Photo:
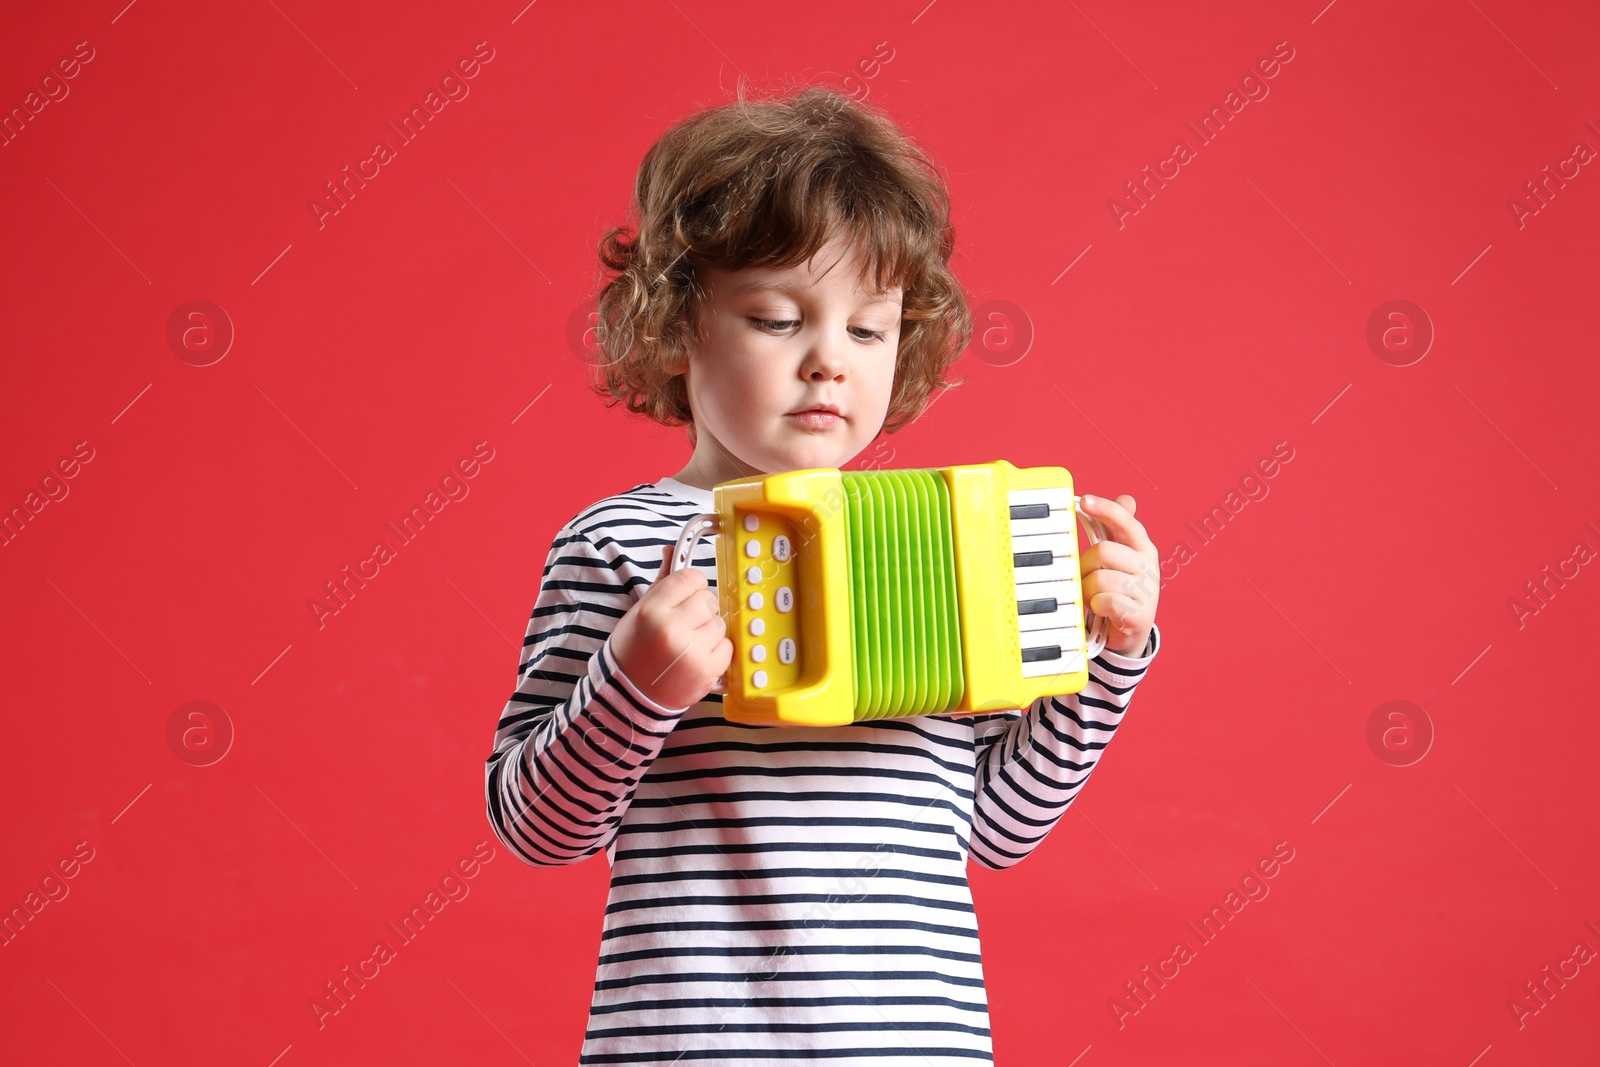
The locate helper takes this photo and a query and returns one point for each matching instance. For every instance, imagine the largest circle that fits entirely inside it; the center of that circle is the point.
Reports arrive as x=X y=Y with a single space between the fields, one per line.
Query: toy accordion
x=853 y=595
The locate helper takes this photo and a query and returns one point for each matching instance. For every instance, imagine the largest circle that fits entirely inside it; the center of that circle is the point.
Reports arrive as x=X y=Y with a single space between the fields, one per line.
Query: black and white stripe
x=777 y=893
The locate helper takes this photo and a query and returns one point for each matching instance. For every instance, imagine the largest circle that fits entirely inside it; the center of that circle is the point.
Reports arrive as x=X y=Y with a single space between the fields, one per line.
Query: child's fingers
x=1117 y=608
x=1119 y=520
x=711 y=631
x=672 y=589
x=1133 y=590
x=713 y=609
x=1113 y=555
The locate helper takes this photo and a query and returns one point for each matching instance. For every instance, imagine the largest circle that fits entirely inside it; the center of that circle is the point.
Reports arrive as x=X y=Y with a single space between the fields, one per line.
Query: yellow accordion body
x=853 y=595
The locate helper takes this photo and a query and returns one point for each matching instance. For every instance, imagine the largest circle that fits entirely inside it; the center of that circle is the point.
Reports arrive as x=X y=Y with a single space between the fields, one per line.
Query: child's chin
x=814 y=458
x=796 y=451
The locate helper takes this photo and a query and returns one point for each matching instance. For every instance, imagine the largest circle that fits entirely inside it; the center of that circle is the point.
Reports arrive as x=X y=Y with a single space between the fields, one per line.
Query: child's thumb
x=666 y=560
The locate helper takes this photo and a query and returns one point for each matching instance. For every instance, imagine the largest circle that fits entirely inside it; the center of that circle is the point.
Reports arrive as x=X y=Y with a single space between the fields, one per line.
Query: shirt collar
x=702 y=497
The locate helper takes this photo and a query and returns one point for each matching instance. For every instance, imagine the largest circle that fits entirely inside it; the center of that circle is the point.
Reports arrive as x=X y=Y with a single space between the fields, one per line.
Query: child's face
x=767 y=354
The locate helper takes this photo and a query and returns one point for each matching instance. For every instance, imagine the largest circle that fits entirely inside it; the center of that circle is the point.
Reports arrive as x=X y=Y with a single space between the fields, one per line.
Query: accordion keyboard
x=1047 y=588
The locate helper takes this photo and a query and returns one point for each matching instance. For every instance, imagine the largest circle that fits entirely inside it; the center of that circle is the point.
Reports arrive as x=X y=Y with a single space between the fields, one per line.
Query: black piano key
x=1032 y=559
x=1034 y=655
x=1037 y=607
x=1030 y=511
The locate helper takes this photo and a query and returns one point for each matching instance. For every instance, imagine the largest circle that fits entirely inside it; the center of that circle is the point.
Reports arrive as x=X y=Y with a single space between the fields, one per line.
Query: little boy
x=779 y=892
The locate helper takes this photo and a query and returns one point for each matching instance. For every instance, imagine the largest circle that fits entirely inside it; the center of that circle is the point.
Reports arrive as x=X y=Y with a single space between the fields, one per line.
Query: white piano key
x=1056 y=498
x=1068 y=611
x=1069 y=663
x=1057 y=522
x=1064 y=592
x=1064 y=559
x=1059 y=519
x=1055 y=544
x=1066 y=637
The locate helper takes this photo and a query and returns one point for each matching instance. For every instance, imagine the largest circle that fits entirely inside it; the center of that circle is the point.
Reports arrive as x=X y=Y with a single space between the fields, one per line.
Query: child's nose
x=823 y=362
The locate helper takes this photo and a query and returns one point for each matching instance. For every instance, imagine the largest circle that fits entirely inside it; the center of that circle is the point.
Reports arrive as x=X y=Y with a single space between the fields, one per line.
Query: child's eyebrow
x=790 y=290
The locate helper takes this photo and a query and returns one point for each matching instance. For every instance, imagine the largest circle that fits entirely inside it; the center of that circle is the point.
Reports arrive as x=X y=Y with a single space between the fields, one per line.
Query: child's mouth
x=816 y=420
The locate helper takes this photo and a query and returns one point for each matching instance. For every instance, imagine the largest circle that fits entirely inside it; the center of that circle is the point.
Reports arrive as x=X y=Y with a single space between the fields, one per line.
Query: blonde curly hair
x=767 y=184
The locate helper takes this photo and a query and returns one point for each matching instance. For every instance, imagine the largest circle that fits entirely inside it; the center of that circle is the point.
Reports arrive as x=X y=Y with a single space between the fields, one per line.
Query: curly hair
x=767 y=184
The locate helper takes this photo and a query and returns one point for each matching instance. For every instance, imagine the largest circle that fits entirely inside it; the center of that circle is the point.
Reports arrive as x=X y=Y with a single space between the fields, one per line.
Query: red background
x=374 y=351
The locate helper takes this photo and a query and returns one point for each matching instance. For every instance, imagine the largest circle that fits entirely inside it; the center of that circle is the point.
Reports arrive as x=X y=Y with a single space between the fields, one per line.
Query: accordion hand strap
x=1095 y=625
x=698 y=526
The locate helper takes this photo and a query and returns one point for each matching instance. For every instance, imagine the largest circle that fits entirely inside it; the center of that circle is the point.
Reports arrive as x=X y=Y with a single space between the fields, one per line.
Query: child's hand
x=673 y=642
x=1121 y=575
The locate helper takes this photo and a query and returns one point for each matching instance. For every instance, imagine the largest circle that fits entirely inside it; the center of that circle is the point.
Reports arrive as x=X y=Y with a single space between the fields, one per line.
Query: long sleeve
x=1030 y=767
x=577 y=734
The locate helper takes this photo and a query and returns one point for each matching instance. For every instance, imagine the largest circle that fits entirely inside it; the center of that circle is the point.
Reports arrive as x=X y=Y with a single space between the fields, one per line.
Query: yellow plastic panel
x=819 y=690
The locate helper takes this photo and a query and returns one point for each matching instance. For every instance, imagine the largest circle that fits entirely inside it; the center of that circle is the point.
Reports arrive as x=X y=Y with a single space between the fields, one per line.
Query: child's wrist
x=1133 y=650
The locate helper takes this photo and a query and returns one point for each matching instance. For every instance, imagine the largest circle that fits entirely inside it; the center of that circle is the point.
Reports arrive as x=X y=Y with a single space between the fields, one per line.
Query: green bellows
x=903 y=601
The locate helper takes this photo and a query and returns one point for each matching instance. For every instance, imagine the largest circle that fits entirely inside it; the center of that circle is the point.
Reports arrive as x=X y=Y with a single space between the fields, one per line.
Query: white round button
x=759 y=679
x=784 y=599
x=758 y=627
x=786 y=651
x=780 y=548
x=752 y=548
x=750 y=521
x=753 y=575
x=758 y=653
x=756 y=600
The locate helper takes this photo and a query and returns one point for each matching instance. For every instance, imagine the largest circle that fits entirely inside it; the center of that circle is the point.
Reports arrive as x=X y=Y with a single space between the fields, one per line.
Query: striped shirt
x=777 y=893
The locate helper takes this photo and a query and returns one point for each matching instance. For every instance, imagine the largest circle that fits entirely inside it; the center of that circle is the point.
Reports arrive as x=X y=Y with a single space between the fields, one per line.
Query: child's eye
x=781 y=325
x=770 y=323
